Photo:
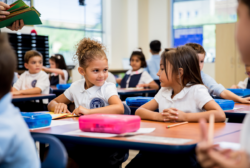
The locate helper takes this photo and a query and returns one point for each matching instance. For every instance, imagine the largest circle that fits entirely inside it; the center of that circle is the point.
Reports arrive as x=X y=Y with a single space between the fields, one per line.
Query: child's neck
x=88 y=85
x=176 y=89
x=135 y=69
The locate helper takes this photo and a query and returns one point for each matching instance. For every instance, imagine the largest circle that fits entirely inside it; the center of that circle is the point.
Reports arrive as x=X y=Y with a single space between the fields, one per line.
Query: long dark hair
x=140 y=56
x=183 y=57
x=59 y=60
x=247 y=3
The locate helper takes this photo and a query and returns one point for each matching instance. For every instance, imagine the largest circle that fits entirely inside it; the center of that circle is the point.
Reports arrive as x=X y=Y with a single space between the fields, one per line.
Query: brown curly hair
x=197 y=48
x=88 y=50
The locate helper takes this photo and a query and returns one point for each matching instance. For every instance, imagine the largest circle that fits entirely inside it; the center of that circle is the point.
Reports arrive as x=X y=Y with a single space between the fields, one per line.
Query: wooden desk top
x=32 y=97
x=186 y=131
x=233 y=137
x=240 y=108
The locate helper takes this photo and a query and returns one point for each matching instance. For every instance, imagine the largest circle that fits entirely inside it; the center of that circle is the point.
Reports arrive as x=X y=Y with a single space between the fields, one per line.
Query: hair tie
x=137 y=50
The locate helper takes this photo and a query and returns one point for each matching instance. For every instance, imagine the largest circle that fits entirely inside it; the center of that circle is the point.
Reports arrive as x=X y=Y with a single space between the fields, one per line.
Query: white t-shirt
x=29 y=81
x=111 y=78
x=94 y=97
x=189 y=100
x=145 y=77
x=243 y=84
x=61 y=80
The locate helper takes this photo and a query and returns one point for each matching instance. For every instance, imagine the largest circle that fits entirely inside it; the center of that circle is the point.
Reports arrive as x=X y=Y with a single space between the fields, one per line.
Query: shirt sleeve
x=243 y=84
x=43 y=82
x=68 y=93
x=145 y=78
x=213 y=87
x=61 y=80
x=201 y=95
x=158 y=96
x=18 y=84
x=109 y=90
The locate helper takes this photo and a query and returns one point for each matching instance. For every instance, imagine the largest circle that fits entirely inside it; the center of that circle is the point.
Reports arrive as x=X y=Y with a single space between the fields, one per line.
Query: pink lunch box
x=109 y=123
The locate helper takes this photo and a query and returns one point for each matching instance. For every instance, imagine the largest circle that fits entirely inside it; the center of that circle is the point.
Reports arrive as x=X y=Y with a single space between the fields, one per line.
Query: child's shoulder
x=78 y=83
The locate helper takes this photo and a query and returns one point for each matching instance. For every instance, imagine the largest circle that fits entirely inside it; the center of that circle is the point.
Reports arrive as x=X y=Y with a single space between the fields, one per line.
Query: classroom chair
x=57 y=156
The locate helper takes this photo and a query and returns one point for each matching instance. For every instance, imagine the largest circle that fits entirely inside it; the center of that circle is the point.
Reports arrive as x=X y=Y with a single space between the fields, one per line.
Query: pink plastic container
x=109 y=123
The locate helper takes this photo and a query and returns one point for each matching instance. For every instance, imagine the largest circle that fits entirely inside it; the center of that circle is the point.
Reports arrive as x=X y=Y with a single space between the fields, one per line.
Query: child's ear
x=81 y=71
x=180 y=72
x=26 y=65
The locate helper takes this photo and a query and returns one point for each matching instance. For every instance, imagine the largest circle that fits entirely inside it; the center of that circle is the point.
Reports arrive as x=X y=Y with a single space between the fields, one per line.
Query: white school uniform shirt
x=111 y=78
x=94 y=97
x=189 y=99
x=29 y=81
x=61 y=80
x=145 y=77
x=243 y=84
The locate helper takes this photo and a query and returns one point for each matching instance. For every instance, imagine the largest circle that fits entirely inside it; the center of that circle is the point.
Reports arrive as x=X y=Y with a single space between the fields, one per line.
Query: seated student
x=137 y=77
x=17 y=148
x=246 y=83
x=111 y=78
x=154 y=62
x=58 y=70
x=213 y=87
x=91 y=95
x=207 y=155
x=33 y=81
x=182 y=97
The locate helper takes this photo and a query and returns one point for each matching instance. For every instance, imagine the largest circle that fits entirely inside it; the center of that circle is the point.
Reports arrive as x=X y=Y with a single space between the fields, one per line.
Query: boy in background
x=154 y=62
x=33 y=81
x=17 y=149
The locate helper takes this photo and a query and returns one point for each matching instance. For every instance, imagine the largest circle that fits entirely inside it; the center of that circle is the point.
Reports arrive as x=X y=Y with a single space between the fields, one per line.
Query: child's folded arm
x=35 y=90
x=146 y=111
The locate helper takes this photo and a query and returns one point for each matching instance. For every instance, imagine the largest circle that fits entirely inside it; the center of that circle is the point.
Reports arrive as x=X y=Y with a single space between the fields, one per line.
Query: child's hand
x=45 y=68
x=61 y=108
x=172 y=114
x=234 y=87
x=81 y=111
x=142 y=85
x=245 y=100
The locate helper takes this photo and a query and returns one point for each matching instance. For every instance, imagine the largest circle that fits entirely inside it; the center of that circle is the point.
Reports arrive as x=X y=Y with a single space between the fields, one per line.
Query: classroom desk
x=188 y=131
x=233 y=137
x=238 y=115
x=19 y=98
x=122 y=91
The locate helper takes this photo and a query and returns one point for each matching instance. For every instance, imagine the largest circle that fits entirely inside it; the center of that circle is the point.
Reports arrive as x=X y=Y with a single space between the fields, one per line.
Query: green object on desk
x=19 y=10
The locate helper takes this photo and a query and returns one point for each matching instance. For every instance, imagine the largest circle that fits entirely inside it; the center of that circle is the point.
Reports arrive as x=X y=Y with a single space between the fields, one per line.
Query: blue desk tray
x=137 y=101
x=240 y=92
x=225 y=104
x=37 y=120
x=63 y=86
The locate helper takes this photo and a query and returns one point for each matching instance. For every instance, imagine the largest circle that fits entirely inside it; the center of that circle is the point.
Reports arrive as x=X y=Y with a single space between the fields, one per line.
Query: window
x=66 y=22
x=194 y=21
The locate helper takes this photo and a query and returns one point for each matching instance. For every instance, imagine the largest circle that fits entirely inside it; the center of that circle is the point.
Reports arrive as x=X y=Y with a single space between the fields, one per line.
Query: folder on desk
x=57 y=116
x=19 y=10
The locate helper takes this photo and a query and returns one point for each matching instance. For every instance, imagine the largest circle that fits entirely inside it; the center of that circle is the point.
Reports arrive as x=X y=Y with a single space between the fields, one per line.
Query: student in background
x=246 y=83
x=58 y=70
x=154 y=62
x=182 y=97
x=213 y=87
x=111 y=78
x=33 y=81
x=92 y=95
x=17 y=148
x=207 y=155
x=137 y=77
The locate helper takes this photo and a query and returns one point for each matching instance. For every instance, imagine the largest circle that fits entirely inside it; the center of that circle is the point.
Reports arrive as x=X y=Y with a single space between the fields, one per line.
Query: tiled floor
x=132 y=154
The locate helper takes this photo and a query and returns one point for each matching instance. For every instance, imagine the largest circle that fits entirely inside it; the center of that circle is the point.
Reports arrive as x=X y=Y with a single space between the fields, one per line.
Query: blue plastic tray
x=240 y=92
x=137 y=101
x=63 y=86
x=225 y=104
x=37 y=120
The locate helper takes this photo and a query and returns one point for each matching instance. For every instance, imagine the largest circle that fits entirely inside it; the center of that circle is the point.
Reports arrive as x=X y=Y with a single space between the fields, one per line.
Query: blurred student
x=182 y=97
x=91 y=95
x=154 y=62
x=246 y=83
x=58 y=70
x=17 y=25
x=33 y=81
x=214 y=88
x=17 y=148
x=137 y=77
x=207 y=154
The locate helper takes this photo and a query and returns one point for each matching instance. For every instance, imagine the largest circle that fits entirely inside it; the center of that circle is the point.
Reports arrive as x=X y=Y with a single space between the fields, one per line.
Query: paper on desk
x=229 y=145
x=56 y=123
x=177 y=141
x=106 y=135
